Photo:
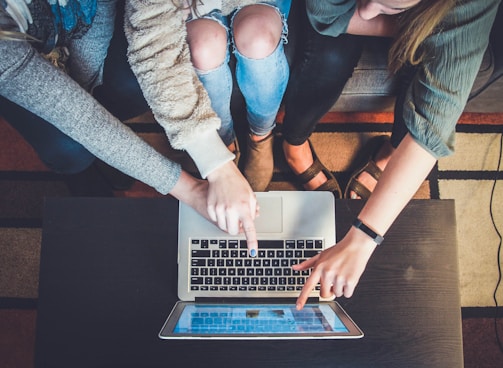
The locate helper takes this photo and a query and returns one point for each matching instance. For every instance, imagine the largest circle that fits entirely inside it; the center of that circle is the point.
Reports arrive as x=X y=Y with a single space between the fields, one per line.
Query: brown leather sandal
x=331 y=185
x=366 y=164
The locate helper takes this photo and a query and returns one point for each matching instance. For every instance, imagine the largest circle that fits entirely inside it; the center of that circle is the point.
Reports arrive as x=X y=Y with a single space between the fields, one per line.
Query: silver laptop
x=226 y=294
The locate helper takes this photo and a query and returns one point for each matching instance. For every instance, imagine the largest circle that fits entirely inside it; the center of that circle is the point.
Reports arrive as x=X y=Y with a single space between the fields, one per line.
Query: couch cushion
x=371 y=88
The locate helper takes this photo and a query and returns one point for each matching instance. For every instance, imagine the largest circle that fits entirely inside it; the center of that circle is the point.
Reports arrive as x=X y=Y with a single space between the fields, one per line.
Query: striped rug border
x=466 y=312
x=386 y=117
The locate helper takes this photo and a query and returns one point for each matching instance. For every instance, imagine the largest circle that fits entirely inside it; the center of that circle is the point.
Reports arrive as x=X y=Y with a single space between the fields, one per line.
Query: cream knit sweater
x=159 y=56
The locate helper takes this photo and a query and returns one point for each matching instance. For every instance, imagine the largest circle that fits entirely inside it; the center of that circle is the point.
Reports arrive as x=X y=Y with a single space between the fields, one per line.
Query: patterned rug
x=471 y=177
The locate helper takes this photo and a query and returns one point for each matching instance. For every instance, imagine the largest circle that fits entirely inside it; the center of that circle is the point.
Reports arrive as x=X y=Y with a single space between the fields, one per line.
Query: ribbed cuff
x=208 y=152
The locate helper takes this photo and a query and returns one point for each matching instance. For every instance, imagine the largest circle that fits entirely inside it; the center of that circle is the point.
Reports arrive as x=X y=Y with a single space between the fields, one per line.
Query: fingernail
x=353 y=195
x=253 y=252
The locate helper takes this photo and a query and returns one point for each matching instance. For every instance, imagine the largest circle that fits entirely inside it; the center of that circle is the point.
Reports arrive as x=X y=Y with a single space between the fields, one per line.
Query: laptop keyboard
x=224 y=265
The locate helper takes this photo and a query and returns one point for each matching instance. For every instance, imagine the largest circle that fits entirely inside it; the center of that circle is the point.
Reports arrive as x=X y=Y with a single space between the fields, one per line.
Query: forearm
x=407 y=169
x=338 y=269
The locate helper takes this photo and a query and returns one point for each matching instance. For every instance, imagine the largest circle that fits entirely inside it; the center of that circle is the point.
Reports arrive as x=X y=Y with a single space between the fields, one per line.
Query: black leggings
x=404 y=78
x=320 y=69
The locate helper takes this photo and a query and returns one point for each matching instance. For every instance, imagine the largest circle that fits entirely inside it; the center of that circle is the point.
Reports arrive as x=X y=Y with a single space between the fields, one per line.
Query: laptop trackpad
x=271 y=215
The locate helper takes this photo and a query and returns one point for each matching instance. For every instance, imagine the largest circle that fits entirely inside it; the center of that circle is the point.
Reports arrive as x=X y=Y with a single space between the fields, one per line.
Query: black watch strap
x=367 y=230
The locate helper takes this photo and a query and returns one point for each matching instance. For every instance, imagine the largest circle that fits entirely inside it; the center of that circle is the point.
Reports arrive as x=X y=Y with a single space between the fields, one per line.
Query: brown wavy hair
x=414 y=25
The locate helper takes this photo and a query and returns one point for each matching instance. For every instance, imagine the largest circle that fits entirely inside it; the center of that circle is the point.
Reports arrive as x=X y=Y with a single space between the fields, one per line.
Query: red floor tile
x=15 y=153
x=17 y=338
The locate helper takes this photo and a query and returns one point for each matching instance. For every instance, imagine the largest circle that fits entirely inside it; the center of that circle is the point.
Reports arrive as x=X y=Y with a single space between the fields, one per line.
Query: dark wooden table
x=108 y=279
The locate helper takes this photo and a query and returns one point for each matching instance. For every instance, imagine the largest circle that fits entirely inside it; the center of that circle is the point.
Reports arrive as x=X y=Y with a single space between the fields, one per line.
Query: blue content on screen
x=258 y=319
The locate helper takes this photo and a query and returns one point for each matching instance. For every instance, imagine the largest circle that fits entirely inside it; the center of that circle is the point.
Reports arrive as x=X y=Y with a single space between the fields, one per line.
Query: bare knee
x=207 y=42
x=257 y=31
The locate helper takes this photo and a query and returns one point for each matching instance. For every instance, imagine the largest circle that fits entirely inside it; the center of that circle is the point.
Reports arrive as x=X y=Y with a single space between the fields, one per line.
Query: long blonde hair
x=414 y=25
x=14 y=35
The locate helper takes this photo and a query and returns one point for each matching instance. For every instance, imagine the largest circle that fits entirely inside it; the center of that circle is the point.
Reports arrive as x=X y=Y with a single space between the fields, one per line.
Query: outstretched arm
x=435 y=101
x=338 y=269
x=160 y=58
x=31 y=82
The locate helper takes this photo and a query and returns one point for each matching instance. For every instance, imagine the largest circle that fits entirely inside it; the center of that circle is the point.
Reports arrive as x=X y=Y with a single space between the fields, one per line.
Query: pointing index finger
x=251 y=236
x=306 y=290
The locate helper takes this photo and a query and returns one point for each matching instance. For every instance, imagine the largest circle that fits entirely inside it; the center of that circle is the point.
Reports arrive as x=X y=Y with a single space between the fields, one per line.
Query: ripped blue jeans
x=261 y=81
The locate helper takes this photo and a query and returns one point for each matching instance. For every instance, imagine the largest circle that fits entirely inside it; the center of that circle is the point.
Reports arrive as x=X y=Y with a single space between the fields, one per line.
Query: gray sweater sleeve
x=31 y=82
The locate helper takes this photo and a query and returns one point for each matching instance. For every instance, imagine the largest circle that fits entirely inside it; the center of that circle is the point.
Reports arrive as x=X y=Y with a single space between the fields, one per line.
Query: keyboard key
x=198 y=262
x=196 y=280
x=310 y=253
x=271 y=244
x=200 y=253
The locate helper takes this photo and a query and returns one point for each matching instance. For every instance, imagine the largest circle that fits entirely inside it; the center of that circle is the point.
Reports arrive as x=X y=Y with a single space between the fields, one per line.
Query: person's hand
x=338 y=268
x=193 y=192
x=232 y=204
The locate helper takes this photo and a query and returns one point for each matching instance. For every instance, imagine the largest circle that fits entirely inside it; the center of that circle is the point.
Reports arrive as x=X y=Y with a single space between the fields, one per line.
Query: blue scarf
x=53 y=22
x=69 y=13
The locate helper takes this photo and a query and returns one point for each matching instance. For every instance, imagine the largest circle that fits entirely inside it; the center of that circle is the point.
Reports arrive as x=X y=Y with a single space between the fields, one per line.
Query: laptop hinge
x=253 y=300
